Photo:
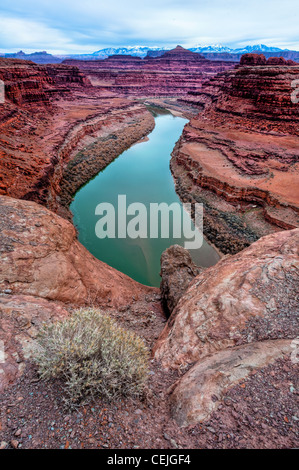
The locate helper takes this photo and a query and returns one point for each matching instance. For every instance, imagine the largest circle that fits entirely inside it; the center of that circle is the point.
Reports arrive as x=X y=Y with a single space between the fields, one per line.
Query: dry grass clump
x=93 y=356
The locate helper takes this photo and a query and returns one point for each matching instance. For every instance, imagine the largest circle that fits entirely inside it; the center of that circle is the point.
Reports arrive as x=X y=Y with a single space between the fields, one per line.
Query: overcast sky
x=84 y=26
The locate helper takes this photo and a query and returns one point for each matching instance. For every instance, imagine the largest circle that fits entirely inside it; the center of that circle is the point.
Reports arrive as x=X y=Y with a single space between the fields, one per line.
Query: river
x=141 y=173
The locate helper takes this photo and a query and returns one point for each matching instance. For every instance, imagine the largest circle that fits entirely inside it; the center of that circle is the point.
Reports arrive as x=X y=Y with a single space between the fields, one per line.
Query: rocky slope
x=234 y=319
x=239 y=156
x=28 y=84
x=172 y=74
x=43 y=266
x=50 y=113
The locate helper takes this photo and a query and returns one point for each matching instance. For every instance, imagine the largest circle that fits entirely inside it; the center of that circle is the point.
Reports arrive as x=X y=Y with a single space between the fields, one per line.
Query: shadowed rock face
x=251 y=296
x=177 y=271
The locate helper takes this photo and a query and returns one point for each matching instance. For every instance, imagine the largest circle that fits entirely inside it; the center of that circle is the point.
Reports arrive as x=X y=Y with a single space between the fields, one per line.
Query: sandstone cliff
x=239 y=156
x=50 y=113
x=174 y=73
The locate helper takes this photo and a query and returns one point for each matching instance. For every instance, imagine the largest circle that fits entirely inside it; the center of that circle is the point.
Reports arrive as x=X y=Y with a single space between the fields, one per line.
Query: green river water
x=141 y=173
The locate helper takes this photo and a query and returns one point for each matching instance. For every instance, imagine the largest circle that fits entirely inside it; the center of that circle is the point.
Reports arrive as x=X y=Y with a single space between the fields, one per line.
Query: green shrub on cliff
x=93 y=356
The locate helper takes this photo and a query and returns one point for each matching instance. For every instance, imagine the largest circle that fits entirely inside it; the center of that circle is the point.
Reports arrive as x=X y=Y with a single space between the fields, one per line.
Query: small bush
x=93 y=356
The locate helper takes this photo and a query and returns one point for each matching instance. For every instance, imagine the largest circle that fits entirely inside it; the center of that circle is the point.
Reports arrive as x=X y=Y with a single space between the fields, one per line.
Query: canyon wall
x=172 y=74
x=50 y=113
x=44 y=274
x=239 y=156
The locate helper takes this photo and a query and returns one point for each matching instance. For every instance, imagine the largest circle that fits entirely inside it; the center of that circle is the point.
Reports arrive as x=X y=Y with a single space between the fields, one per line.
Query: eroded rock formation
x=50 y=114
x=251 y=296
x=203 y=387
x=232 y=324
x=174 y=73
x=239 y=156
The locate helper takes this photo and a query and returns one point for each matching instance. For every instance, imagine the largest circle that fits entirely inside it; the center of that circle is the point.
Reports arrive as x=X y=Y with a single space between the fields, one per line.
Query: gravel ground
x=262 y=412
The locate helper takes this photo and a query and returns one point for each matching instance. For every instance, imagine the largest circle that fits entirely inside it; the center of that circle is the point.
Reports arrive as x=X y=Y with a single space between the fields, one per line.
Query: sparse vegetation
x=93 y=356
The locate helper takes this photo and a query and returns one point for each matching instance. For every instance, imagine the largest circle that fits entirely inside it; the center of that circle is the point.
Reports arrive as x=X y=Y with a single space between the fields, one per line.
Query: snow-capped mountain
x=141 y=51
x=257 y=47
x=210 y=48
x=138 y=51
x=241 y=50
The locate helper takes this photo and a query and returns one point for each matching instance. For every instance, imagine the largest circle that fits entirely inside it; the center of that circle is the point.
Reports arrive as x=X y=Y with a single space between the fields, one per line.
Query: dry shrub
x=93 y=356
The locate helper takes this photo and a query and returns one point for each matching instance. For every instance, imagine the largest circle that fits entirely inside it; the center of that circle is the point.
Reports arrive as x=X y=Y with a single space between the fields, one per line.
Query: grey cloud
x=74 y=26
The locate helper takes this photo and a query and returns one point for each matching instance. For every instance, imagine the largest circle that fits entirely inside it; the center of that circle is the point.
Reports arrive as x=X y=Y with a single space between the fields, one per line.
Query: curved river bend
x=141 y=173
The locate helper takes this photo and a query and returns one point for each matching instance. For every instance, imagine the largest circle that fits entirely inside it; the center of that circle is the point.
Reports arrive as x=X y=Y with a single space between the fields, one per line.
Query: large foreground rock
x=41 y=256
x=201 y=389
x=248 y=297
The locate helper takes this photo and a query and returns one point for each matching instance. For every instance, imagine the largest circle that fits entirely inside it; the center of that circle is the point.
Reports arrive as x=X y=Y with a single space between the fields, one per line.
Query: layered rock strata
x=174 y=73
x=239 y=156
x=50 y=113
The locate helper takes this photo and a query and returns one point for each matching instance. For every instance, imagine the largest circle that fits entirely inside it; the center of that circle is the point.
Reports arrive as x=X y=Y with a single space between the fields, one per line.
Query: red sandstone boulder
x=248 y=297
x=180 y=53
x=253 y=59
x=200 y=391
x=276 y=61
x=41 y=256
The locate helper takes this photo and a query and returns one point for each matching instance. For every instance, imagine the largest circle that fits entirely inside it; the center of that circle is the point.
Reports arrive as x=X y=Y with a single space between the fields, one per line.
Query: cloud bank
x=73 y=26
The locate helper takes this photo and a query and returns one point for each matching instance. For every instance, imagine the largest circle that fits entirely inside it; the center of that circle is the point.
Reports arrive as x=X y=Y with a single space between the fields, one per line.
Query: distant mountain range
x=137 y=51
x=214 y=51
x=241 y=50
x=141 y=51
x=38 y=57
